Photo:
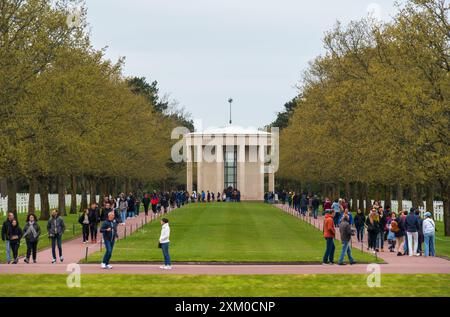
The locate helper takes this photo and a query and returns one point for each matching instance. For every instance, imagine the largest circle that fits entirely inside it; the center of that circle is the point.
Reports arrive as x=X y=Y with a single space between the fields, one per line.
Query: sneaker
x=109 y=267
x=26 y=260
x=168 y=267
x=162 y=267
x=417 y=254
x=61 y=258
x=399 y=254
x=103 y=266
x=342 y=263
x=353 y=263
x=34 y=261
x=325 y=263
x=53 y=261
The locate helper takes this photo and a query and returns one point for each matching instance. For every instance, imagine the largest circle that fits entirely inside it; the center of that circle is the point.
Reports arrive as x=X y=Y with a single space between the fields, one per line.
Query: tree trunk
x=347 y=191
x=361 y=196
x=11 y=185
x=367 y=198
x=400 y=197
x=73 y=194
x=388 y=196
x=84 y=202
x=445 y=190
x=61 y=184
x=32 y=191
x=43 y=192
x=377 y=192
x=92 y=191
x=353 y=197
x=430 y=198
x=414 y=196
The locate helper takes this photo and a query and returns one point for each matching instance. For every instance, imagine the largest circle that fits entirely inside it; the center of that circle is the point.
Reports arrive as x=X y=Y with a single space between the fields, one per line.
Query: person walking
x=109 y=231
x=400 y=232
x=146 y=203
x=329 y=233
x=84 y=222
x=315 y=203
x=15 y=235
x=94 y=217
x=55 y=229
x=336 y=206
x=123 y=208
x=360 y=220
x=372 y=223
x=154 y=201
x=164 y=240
x=429 y=234
x=412 y=232
x=32 y=232
x=6 y=229
x=346 y=233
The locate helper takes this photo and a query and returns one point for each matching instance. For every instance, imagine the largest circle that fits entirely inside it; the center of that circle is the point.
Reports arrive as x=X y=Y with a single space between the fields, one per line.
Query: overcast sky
x=202 y=52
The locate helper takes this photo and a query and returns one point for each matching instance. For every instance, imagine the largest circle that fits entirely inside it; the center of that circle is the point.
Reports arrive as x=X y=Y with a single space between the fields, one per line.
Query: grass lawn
x=227 y=232
x=442 y=242
x=71 y=222
x=226 y=286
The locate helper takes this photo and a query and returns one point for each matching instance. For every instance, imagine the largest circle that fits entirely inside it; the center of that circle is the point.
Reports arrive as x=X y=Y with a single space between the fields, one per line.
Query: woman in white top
x=164 y=243
x=429 y=229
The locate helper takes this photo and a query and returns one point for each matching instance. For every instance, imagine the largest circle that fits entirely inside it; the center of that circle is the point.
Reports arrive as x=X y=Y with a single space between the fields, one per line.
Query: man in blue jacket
x=109 y=231
x=412 y=231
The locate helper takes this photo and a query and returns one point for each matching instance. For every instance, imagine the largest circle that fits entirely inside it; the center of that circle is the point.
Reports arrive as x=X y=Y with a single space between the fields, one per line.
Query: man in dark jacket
x=109 y=231
x=55 y=229
x=94 y=220
x=315 y=206
x=360 y=220
x=346 y=235
x=412 y=232
x=6 y=229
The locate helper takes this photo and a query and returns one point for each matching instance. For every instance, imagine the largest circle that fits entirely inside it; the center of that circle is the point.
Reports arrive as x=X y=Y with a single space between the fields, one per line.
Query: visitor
x=429 y=231
x=346 y=233
x=329 y=233
x=400 y=233
x=381 y=229
x=326 y=206
x=32 y=232
x=154 y=202
x=420 y=233
x=131 y=206
x=94 y=220
x=208 y=196
x=109 y=231
x=336 y=206
x=122 y=204
x=164 y=243
x=360 y=220
x=315 y=206
x=412 y=231
x=146 y=203
x=373 y=228
x=137 y=207
x=203 y=196
x=392 y=228
x=84 y=222
x=55 y=229
x=303 y=205
x=6 y=229
x=15 y=234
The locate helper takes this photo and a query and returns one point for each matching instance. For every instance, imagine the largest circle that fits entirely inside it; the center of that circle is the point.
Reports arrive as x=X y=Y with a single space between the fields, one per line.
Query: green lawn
x=71 y=222
x=442 y=242
x=226 y=286
x=226 y=232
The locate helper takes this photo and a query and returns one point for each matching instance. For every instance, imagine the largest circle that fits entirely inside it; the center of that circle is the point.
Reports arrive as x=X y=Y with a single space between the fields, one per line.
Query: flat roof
x=230 y=130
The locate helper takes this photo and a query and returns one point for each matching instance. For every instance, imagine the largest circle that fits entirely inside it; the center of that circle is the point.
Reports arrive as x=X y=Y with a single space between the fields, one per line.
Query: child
x=392 y=229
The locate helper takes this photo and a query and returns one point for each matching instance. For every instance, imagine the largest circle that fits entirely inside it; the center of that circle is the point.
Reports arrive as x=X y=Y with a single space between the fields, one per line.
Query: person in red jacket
x=329 y=233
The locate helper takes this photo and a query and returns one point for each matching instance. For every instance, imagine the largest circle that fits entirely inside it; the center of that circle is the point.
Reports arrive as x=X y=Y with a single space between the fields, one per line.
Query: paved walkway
x=74 y=251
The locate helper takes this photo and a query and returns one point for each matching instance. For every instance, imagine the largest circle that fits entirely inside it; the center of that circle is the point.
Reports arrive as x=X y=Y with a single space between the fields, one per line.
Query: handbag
x=159 y=245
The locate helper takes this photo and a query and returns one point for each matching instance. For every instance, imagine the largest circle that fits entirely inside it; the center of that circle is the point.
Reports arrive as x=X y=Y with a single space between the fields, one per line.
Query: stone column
x=189 y=168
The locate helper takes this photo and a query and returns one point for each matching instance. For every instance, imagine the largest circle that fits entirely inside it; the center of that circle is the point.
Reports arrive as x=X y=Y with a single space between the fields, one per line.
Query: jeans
x=146 y=209
x=32 y=249
x=85 y=232
x=165 y=250
x=329 y=252
x=8 y=251
x=429 y=239
x=109 y=245
x=130 y=214
x=137 y=209
x=57 y=239
x=123 y=215
x=360 y=233
x=380 y=240
x=303 y=210
x=346 y=249
x=15 y=244
x=93 y=230
x=315 y=212
x=337 y=216
x=413 y=237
